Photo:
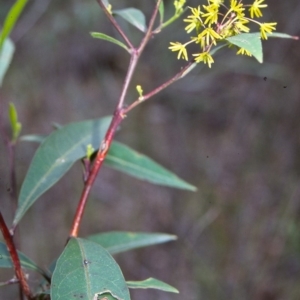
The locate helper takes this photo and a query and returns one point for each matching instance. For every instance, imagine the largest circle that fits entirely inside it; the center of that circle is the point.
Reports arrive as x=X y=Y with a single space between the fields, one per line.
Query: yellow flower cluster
x=215 y=22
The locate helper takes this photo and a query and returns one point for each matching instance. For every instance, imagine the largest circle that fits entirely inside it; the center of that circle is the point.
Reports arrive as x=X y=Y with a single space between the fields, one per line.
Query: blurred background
x=232 y=130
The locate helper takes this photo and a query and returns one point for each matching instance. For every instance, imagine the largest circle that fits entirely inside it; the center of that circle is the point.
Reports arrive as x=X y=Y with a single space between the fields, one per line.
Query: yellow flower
x=182 y=53
x=239 y=26
x=215 y=22
x=237 y=8
x=243 y=51
x=194 y=19
x=255 y=8
x=216 y=2
x=207 y=36
x=266 y=28
x=205 y=57
x=211 y=15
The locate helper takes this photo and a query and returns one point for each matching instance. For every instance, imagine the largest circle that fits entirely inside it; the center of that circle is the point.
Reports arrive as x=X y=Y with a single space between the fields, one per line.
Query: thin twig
x=150 y=27
x=158 y=89
x=115 y=24
x=15 y=258
x=132 y=65
x=93 y=174
x=11 y=147
x=11 y=158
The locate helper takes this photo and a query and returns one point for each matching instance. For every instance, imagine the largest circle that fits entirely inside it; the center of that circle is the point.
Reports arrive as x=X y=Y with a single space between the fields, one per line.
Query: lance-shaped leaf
x=33 y=138
x=132 y=164
x=152 y=283
x=161 y=10
x=63 y=147
x=282 y=35
x=27 y=263
x=102 y=36
x=133 y=16
x=11 y=19
x=6 y=55
x=122 y=158
x=86 y=271
x=121 y=241
x=54 y=158
x=249 y=41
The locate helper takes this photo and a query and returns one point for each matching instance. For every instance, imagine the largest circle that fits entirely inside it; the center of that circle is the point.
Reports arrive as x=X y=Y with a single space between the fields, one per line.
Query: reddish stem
x=115 y=24
x=11 y=159
x=117 y=118
x=15 y=258
x=158 y=89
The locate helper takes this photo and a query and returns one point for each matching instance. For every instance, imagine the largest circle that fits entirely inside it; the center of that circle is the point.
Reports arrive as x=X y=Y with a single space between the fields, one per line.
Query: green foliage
x=6 y=55
x=32 y=138
x=133 y=16
x=161 y=11
x=85 y=270
x=122 y=158
x=7 y=47
x=121 y=241
x=11 y=19
x=102 y=36
x=61 y=149
x=27 y=263
x=152 y=283
x=55 y=157
x=249 y=41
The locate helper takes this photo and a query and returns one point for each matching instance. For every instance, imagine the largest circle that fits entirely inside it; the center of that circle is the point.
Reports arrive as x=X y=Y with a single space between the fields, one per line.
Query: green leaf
x=282 y=35
x=16 y=126
x=161 y=10
x=122 y=158
x=55 y=156
x=11 y=19
x=152 y=283
x=126 y=160
x=102 y=36
x=249 y=41
x=33 y=138
x=121 y=241
x=87 y=271
x=6 y=55
x=5 y=260
x=133 y=16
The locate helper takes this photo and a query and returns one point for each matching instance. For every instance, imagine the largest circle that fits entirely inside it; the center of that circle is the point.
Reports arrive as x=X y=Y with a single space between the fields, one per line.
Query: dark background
x=226 y=130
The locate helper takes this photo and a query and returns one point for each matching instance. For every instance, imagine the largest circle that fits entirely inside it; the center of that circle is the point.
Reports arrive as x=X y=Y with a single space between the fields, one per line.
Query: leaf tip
x=191 y=187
